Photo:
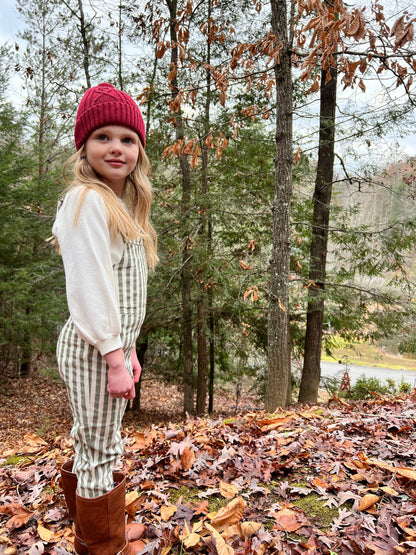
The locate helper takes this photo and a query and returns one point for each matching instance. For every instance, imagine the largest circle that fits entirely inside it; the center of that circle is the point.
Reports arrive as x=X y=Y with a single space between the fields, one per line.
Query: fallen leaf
x=287 y=520
x=368 y=501
x=221 y=546
x=19 y=515
x=167 y=511
x=33 y=443
x=131 y=497
x=188 y=458
x=401 y=471
x=139 y=442
x=190 y=539
x=230 y=514
x=389 y=490
x=244 y=530
x=317 y=482
x=45 y=534
x=228 y=490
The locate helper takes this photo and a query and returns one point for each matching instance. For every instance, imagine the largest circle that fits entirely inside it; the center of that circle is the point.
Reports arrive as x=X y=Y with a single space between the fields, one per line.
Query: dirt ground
x=38 y=404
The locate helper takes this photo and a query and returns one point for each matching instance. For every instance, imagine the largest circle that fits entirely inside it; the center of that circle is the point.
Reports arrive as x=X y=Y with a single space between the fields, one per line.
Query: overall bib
x=97 y=416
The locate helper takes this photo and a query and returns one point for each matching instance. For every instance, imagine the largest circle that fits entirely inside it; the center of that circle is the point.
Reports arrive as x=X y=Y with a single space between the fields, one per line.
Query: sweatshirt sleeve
x=86 y=253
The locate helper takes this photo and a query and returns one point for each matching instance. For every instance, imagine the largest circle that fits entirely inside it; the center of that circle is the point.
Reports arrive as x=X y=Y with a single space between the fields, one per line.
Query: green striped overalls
x=97 y=416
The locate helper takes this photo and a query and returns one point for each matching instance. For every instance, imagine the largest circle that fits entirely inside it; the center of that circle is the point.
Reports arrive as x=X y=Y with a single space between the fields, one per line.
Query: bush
x=365 y=387
x=332 y=385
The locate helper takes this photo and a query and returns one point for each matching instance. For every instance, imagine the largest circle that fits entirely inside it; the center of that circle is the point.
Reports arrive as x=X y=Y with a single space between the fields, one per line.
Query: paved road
x=334 y=369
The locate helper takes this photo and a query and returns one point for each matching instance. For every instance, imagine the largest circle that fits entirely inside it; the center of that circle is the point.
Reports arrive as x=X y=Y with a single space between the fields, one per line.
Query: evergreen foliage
x=370 y=266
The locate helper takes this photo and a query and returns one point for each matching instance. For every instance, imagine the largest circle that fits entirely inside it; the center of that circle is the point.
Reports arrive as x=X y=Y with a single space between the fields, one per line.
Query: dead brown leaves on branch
x=325 y=32
x=329 y=29
x=237 y=485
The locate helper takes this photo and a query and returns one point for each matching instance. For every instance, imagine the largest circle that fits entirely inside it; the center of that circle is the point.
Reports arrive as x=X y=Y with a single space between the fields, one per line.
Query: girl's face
x=113 y=151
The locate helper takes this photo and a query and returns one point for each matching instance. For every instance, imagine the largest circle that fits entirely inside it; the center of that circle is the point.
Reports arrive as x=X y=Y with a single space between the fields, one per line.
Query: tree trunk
x=85 y=44
x=205 y=243
x=211 y=356
x=289 y=362
x=150 y=99
x=311 y=373
x=141 y=351
x=201 y=393
x=26 y=363
x=186 y=278
x=278 y=371
x=120 y=47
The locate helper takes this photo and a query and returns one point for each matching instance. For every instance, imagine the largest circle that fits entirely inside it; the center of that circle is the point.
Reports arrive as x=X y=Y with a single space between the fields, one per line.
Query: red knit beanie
x=105 y=105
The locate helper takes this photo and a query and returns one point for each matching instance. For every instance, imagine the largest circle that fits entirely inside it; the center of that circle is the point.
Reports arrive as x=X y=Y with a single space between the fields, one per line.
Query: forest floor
x=332 y=478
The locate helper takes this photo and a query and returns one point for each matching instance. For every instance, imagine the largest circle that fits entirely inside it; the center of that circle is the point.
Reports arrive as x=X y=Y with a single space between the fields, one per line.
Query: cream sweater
x=89 y=252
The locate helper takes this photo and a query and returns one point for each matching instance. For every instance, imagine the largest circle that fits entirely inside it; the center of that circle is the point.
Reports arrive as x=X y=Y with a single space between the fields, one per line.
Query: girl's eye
x=101 y=137
x=128 y=140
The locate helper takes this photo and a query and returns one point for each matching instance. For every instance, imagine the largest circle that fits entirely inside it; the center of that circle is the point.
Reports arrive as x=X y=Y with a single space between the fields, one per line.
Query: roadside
x=361 y=354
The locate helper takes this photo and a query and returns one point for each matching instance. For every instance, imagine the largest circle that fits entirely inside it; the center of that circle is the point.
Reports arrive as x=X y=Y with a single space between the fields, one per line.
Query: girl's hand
x=120 y=384
x=137 y=369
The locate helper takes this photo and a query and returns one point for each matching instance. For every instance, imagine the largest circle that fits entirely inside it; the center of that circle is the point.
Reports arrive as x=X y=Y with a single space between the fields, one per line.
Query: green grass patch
x=365 y=354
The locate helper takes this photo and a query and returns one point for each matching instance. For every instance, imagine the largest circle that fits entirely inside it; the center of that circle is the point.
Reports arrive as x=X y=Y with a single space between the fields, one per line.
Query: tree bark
x=141 y=351
x=85 y=44
x=211 y=325
x=278 y=359
x=311 y=373
x=186 y=278
x=205 y=244
x=201 y=393
x=120 y=46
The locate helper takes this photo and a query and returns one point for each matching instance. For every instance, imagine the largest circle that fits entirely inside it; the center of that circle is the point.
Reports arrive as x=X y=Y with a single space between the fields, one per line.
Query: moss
x=190 y=495
x=229 y=420
x=216 y=503
x=17 y=460
x=48 y=490
x=314 y=507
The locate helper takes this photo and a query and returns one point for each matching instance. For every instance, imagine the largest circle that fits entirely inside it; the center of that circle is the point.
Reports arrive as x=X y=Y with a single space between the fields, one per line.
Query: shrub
x=332 y=385
x=364 y=387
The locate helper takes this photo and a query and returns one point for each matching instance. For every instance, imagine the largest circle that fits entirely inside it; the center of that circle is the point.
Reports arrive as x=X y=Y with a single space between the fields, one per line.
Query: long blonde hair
x=133 y=223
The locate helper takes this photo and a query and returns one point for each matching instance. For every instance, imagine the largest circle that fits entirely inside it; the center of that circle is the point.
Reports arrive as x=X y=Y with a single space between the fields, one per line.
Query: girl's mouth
x=115 y=163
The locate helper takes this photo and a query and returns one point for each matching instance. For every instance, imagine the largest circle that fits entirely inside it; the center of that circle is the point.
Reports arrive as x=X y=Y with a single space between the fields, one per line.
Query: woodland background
x=284 y=206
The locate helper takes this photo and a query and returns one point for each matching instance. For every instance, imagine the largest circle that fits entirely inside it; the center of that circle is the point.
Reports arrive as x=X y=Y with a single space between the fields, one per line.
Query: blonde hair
x=131 y=224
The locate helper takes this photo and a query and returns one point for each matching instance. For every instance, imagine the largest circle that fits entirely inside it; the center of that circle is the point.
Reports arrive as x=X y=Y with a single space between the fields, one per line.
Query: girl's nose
x=115 y=146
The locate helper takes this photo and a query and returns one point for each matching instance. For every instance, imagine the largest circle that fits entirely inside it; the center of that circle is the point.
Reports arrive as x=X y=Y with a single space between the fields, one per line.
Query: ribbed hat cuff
x=108 y=113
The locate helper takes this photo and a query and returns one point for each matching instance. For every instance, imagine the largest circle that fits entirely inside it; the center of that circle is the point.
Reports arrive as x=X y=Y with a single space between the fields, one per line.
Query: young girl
x=107 y=244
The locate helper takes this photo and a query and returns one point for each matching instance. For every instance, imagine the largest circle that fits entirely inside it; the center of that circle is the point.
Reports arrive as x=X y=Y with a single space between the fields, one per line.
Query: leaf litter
x=244 y=476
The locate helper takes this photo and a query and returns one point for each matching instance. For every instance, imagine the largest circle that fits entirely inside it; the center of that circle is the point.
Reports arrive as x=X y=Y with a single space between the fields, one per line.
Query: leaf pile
x=238 y=485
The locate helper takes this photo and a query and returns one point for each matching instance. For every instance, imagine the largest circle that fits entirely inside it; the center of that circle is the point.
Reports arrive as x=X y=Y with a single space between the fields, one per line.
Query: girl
x=107 y=244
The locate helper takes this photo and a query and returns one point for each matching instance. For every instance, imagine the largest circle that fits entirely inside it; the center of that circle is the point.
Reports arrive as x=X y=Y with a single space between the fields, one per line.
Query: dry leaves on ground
x=231 y=486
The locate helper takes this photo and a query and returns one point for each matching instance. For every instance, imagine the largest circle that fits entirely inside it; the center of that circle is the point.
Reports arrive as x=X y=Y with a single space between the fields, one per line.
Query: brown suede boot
x=102 y=522
x=68 y=483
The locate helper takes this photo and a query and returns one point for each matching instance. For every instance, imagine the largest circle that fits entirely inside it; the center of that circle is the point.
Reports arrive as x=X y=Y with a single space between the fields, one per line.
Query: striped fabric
x=97 y=416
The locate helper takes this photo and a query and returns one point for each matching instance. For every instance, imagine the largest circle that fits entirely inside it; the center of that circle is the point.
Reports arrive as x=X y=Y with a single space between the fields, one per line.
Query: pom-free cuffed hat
x=105 y=105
